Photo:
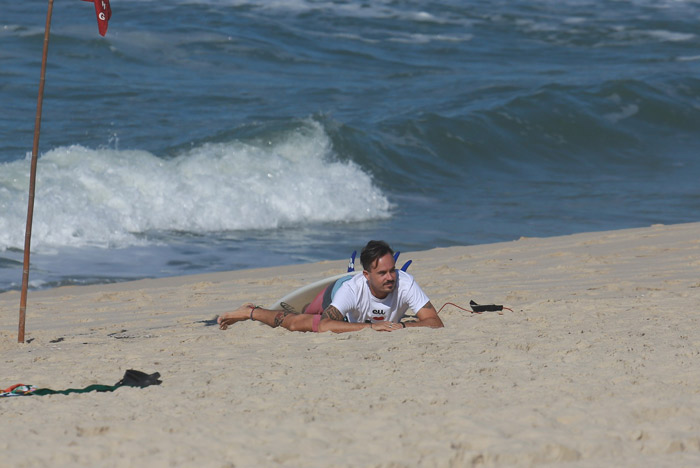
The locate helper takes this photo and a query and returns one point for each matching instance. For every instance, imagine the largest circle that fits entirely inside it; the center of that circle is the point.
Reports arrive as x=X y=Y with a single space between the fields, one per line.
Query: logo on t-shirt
x=378 y=315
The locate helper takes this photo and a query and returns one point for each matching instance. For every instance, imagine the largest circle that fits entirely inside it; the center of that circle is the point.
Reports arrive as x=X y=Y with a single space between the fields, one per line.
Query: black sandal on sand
x=134 y=378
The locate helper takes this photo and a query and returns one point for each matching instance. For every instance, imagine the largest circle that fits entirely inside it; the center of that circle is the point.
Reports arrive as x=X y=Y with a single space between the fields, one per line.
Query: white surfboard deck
x=304 y=295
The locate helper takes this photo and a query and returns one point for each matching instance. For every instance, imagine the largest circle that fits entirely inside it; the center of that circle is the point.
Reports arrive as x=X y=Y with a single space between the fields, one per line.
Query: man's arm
x=332 y=313
x=427 y=317
x=332 y=320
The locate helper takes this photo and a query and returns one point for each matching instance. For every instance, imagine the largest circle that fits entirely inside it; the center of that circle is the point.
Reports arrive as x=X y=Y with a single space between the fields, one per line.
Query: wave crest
x=111 y=198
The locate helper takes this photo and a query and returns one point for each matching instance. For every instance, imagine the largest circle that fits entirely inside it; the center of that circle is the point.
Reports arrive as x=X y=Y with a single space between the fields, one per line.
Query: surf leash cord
x=478 y=309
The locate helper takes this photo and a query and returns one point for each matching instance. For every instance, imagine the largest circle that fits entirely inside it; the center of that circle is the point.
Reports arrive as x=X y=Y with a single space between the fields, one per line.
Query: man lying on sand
x=376 y=299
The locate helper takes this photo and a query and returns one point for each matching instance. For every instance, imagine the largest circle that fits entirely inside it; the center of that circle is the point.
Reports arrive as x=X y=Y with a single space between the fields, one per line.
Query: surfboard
x=299 y=298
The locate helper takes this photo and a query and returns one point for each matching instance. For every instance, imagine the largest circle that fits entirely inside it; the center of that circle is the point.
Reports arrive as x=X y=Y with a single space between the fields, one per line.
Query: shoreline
x=120 y=280
x=594 y=366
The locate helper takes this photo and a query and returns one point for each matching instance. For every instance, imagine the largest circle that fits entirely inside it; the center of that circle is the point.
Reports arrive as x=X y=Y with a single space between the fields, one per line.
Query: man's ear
x=366 y=273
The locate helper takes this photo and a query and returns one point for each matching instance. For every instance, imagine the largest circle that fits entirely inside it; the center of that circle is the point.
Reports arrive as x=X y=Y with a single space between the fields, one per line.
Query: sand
x=597 y=365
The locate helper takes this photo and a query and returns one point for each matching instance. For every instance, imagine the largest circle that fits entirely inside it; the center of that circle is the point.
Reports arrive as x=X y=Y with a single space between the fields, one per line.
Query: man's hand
x=386 y=326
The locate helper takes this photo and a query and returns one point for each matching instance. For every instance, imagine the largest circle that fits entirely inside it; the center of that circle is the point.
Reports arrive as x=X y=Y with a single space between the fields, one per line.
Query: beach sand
x=597 y=365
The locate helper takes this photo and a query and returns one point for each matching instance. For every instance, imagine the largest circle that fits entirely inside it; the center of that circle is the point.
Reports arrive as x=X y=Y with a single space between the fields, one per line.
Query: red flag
x=103 y=12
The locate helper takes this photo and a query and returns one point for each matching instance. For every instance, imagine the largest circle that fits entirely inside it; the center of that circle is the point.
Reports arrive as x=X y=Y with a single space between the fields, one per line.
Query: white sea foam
x=425 y=38
x=107 y=197
x=377 y=9
x=670 y=36
x=624 y=113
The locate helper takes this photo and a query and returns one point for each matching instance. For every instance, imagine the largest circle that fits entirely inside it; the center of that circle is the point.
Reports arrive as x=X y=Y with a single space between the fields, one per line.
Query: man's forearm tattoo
x=332 y=313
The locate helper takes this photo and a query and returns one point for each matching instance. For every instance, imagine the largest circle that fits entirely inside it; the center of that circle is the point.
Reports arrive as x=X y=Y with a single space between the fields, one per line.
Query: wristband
x=251 y=312
x=403 y=325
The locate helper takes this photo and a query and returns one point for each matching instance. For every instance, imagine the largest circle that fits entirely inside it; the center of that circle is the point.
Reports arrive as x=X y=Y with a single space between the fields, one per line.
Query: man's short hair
x=373 y=251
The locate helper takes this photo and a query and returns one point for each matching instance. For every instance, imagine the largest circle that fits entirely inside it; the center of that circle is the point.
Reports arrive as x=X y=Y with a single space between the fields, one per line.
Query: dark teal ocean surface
x=209 y=135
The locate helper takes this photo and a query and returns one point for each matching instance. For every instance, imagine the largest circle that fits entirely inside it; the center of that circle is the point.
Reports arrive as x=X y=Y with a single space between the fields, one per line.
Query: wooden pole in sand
x=32 y=180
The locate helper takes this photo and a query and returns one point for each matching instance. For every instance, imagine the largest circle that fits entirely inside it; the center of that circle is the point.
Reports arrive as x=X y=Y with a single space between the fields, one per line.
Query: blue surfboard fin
x=396 y=256
x=406 y=265
x=351 y=265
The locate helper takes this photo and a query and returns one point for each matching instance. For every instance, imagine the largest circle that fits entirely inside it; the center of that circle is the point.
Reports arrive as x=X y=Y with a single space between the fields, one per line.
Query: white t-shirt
x=355 y=301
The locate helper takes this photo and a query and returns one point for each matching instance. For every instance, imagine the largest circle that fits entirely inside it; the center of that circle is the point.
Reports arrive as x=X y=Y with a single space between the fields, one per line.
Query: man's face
x=382 y=276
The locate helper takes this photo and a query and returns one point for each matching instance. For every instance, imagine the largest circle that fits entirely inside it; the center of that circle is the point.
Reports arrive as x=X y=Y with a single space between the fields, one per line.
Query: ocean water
x=210 y=135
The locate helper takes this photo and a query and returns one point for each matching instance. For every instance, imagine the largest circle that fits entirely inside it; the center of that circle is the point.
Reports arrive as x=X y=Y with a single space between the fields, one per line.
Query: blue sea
x=212 y=135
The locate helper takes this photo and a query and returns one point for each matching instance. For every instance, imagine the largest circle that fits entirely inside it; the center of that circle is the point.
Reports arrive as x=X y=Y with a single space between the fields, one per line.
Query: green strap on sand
x=132 y=378
x=88 y=389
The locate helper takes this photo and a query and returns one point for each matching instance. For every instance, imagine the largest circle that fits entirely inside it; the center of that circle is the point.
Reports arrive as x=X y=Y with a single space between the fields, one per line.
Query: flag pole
x=32 y=180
